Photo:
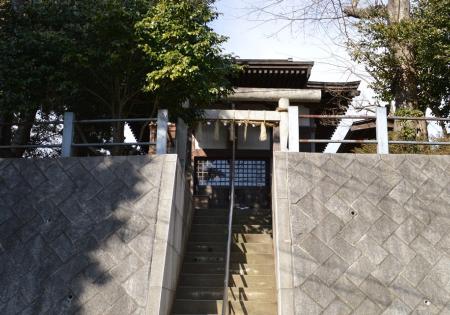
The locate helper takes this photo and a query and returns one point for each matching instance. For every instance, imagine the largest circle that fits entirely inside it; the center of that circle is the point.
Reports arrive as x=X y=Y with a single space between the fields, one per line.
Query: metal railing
x=67 y=144
x=230 y=226
x=382 y=141
x=289 y=128
x=112 y=144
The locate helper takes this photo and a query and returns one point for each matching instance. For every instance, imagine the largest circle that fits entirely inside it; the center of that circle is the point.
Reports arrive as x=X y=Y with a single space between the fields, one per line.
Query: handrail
x=94 y=121
x=337 y=141
x=68 y=131
x=81 y=121
x=338 y=116
x=418 y=118
x=112 y=144
x=230 y=225
x=374 y=142
x=382 y=139
x=373 y=117
x=419 y=142
x=31 y=146
x=52 y=146
x=49 y=122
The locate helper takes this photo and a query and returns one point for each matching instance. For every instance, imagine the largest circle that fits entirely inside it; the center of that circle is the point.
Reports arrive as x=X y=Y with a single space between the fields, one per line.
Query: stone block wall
x=362 y=234
x=172 y=232
x=77 y=235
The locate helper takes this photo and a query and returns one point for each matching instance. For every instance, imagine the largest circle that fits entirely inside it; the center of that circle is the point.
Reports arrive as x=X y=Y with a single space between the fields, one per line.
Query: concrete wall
x=172 y=231
x=82 y=235
x=362 y=234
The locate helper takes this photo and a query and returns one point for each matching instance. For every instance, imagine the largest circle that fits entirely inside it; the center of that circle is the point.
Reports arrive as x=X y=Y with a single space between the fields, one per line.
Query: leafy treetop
x=186 y=54
x=419 y=45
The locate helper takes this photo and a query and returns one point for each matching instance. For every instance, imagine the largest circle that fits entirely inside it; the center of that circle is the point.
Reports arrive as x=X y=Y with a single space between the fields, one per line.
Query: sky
x=254 y=39
x=248 y=38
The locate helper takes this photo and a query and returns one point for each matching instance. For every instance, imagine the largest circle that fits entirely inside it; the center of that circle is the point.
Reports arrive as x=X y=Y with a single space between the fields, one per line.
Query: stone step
x=209 y=280
x=215 y=307
x=237 y=238
x=236 y=268
x=234 y=294
x=237 y=212
x=237 y=219
x=223 y=228
x=235 y=257
x=252 y=287
x=261 y=248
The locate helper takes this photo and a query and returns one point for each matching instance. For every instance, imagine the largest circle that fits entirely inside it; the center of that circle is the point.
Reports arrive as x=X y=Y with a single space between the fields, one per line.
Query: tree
x=409 y=59
x=186 y=53
x=31 y=49
x=109 y=58
x=432 y=49
x=403 y=43
x=107 y=66
x=139 y=58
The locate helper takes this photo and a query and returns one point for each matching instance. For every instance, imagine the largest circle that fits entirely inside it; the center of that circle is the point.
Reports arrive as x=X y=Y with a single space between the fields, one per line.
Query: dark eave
x=335 y=86
x=276 y=63
x=273 y=73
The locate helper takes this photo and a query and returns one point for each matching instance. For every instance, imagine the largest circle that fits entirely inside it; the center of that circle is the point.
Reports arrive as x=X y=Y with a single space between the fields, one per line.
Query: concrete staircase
x=252 y=271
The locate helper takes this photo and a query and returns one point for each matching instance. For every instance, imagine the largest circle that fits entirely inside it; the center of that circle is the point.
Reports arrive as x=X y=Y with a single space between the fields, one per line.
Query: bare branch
x=363 y=13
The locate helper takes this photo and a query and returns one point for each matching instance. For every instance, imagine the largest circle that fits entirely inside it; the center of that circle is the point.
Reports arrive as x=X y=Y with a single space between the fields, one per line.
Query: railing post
x=182 y=138
x=283 y=107
x=161 y=134
x=382 y=131
x=67 y=139
x=294 y=145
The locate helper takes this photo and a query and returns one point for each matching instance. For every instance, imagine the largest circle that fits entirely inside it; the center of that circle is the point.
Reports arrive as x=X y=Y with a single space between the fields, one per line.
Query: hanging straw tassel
x=263 y=134
x=245 y=131
x=217 y=131
x=199 y=131
x=246 y=126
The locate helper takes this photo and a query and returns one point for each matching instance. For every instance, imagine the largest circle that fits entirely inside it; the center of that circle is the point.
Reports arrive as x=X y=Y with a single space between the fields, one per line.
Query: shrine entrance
x=252 y=181
x=212 y=149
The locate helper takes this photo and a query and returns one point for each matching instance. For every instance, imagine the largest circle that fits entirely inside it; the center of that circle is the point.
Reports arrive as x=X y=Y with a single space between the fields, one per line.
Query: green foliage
x=432 y=50
x=407 y=129
x=407 y=149
x=408 y=112
x=187 y=56
x=110 y=58
x=413 y=54
x=80 y=56
x=32 y=45
x=106 y=65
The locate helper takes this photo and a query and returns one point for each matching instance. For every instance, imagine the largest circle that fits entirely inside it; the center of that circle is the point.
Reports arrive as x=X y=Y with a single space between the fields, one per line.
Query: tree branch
x=98 y=96
x=363 y=13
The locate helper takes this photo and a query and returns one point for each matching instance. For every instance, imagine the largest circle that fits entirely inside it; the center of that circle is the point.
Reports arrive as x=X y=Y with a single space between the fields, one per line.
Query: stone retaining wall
x=77 y=235
x=362 y=234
